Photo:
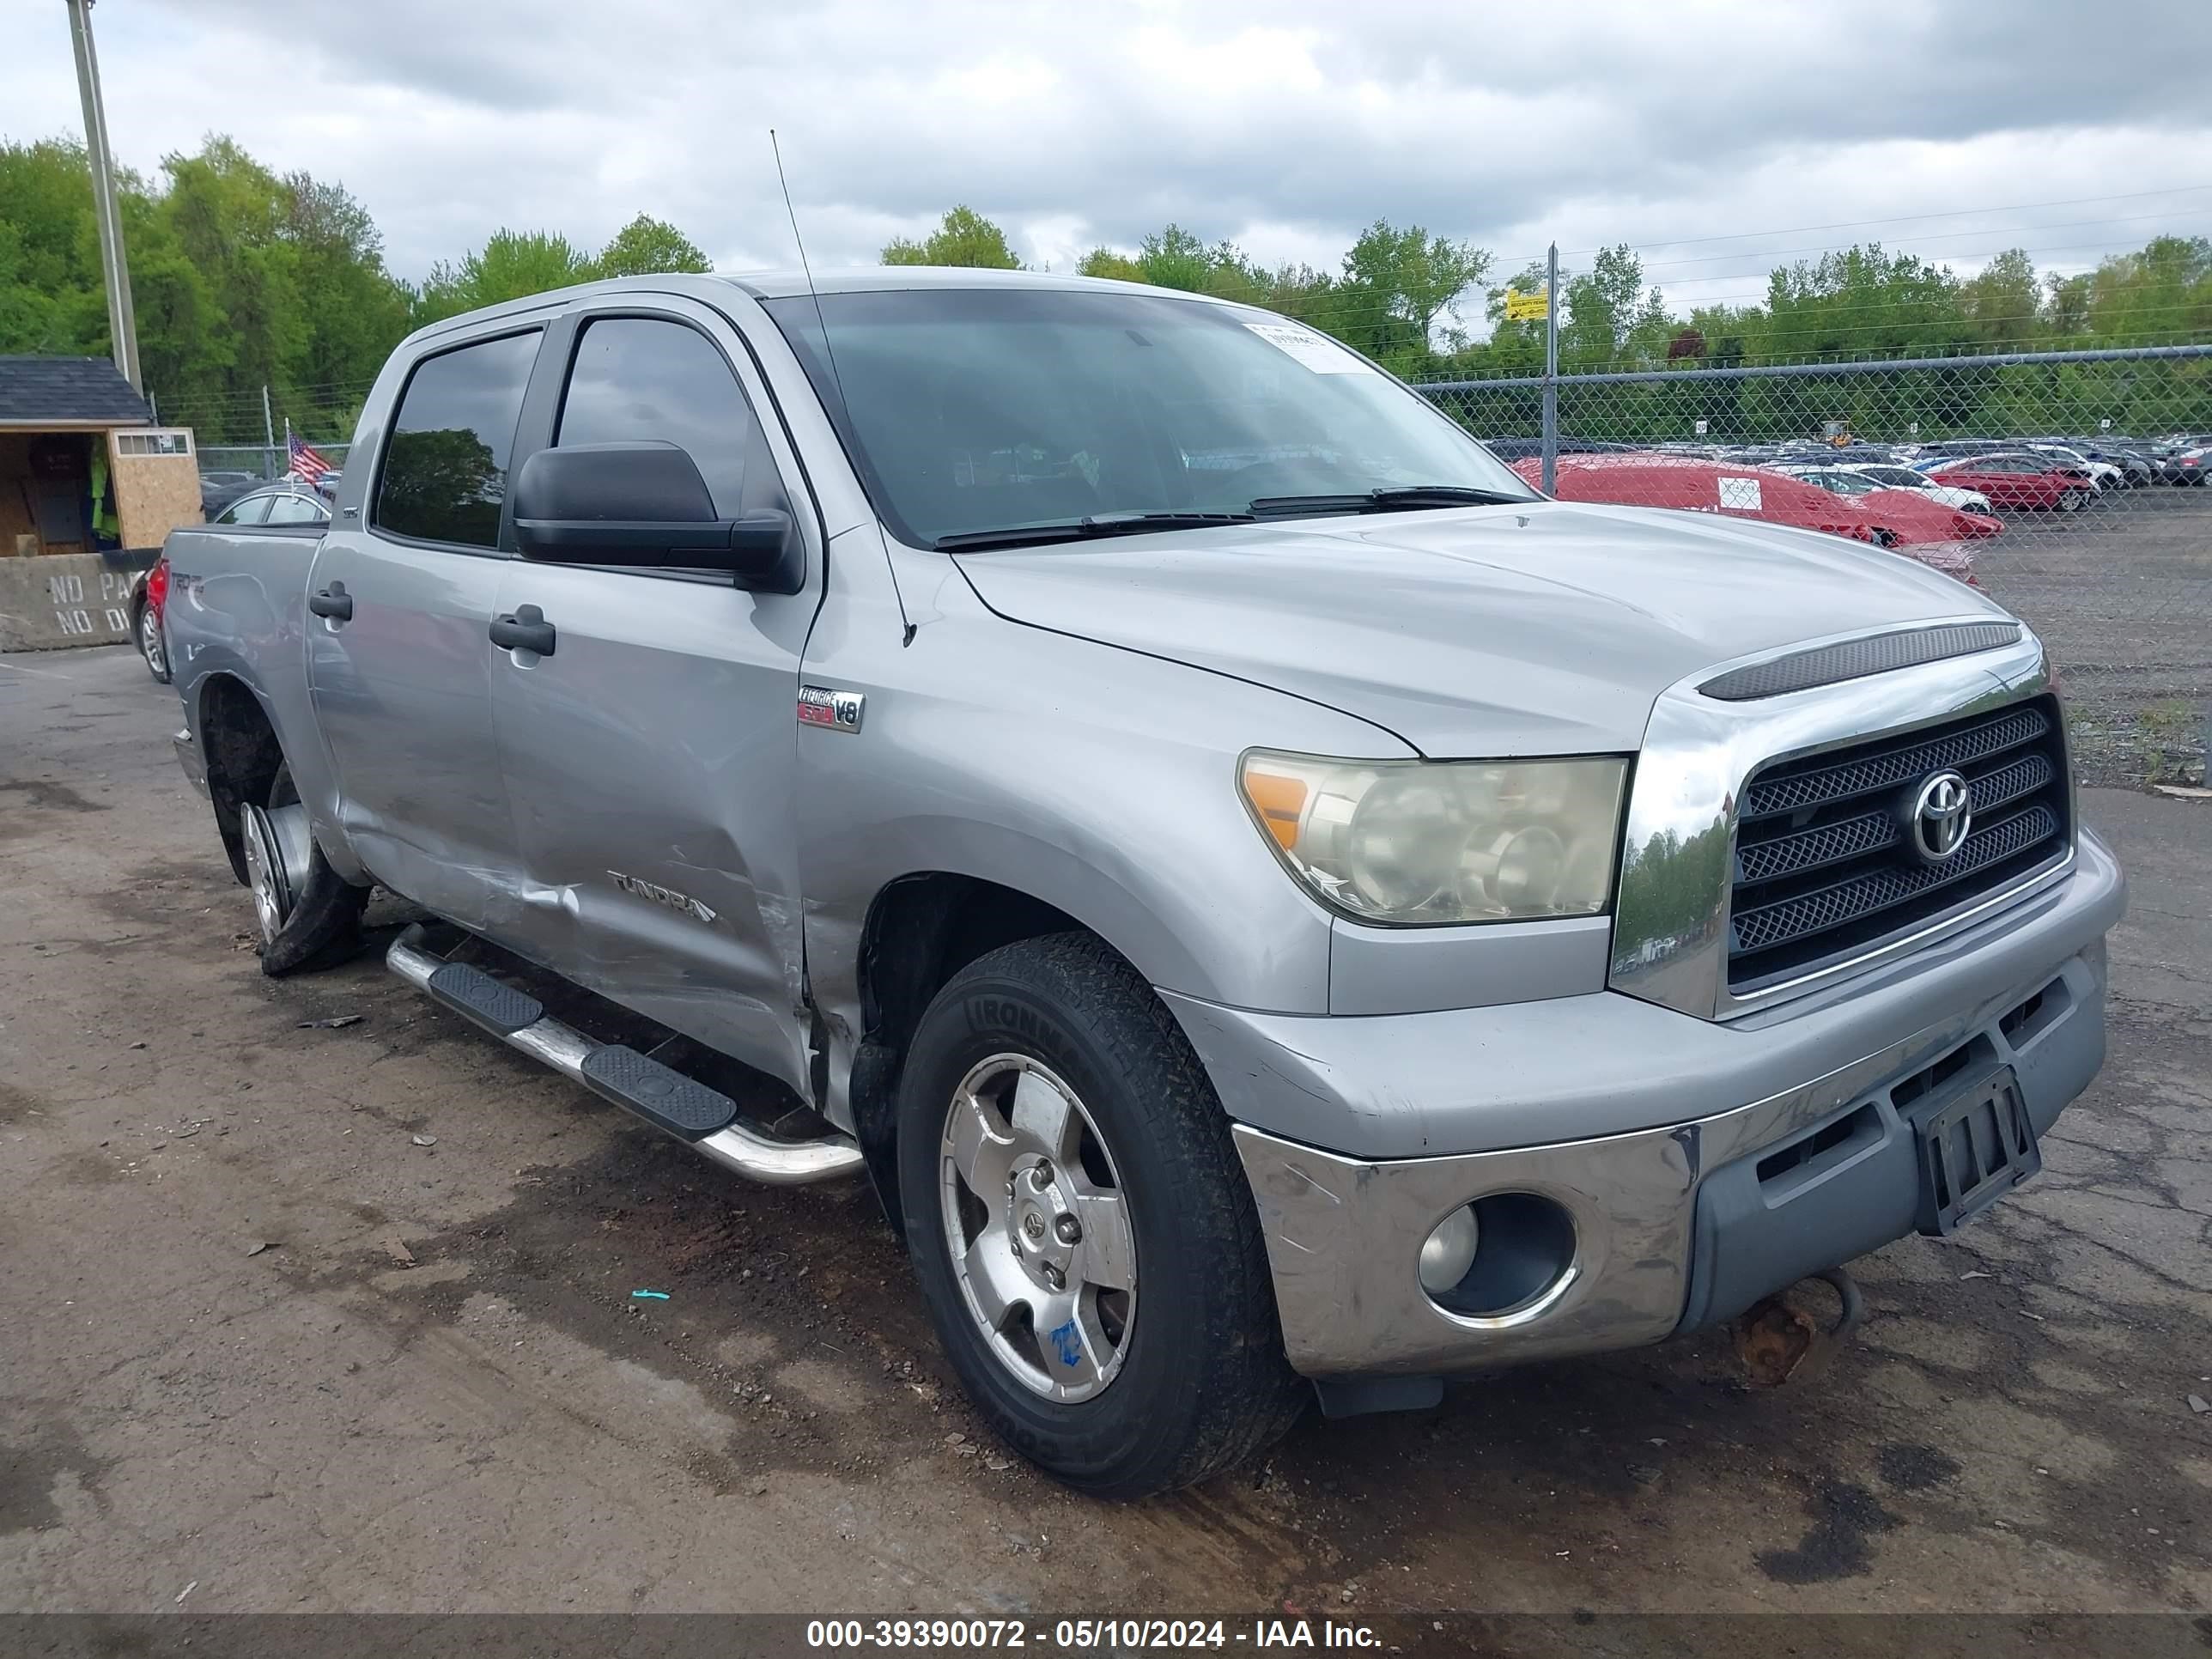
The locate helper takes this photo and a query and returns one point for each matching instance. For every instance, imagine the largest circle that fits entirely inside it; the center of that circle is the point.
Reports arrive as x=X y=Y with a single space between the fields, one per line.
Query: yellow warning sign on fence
x=1523 y=307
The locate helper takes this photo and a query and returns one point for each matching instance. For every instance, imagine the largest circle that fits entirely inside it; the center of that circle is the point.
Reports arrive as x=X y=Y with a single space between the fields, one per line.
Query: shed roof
x=37 y=390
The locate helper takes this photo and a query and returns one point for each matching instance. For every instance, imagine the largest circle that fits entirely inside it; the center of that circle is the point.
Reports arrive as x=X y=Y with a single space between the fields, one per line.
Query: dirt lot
x=2122 y=591
x=219 y=1368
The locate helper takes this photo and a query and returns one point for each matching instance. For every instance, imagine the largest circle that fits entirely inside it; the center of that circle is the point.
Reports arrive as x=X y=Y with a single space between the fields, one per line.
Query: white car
x=1890 y=477
x=1894 y=477
x=2107 y=476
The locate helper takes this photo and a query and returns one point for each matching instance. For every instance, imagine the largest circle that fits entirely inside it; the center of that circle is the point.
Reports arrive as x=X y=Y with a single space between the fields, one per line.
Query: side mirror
x=644 y=503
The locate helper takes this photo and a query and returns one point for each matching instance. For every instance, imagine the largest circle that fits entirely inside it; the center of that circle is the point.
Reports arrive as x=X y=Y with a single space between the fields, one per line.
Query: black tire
x=323 y=928
x=2070 y=501
x=152 y=650
x=1203 y=1384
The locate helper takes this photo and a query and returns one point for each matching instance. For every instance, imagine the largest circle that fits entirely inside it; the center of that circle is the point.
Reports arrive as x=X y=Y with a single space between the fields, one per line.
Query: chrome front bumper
x=1674 y=1226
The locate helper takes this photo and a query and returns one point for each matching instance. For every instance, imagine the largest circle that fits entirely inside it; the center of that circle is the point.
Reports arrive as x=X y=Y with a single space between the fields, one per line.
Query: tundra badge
x=682 y=903
x=834 y=711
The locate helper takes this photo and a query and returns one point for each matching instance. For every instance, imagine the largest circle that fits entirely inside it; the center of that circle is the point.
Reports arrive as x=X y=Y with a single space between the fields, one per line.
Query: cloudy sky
x=1717 y=137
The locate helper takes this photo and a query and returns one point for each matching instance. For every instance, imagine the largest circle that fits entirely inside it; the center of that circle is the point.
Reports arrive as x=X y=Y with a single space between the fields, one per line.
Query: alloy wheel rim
x=1038 y=1228
x=279 y=850
x=149 y=638
x=264 y=876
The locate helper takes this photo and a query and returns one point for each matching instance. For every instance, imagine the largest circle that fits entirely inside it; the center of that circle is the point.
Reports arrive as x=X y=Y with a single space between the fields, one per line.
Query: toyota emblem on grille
x=1943 y=812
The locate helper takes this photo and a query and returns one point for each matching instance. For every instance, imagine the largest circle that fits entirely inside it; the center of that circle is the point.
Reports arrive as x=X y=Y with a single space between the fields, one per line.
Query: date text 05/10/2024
x=1079 y=1635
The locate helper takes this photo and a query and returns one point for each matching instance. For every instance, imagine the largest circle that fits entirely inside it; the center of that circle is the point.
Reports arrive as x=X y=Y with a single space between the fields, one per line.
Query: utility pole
x=1552 y=372
x=122 y=321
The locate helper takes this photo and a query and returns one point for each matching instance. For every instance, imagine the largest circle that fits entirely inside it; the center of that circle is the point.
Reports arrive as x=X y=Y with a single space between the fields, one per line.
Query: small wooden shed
x=90 y=487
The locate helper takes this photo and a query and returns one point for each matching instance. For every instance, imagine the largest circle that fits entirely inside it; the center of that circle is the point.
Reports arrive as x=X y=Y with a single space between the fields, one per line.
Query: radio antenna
x=906 y=637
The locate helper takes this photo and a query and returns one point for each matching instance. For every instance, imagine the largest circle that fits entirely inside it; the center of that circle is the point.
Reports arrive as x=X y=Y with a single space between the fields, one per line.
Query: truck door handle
x=526 y=630
x=333 y=602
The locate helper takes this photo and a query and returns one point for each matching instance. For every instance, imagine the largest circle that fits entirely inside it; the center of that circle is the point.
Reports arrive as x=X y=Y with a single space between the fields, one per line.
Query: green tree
x=1175 y=258
x=2002 y=302
x=1397 y=284
x=964 y=237
x=1610 y=320
x=512 y=264
x=51 y=298
x=646 y=246
x=1105 y=262
x=356 y=310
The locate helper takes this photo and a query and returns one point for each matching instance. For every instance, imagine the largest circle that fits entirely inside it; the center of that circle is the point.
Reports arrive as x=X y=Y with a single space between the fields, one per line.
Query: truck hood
x=1548 y=628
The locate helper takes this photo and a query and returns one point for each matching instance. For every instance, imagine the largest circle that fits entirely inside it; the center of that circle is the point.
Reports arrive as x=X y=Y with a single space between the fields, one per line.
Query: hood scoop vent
x=1852 y=660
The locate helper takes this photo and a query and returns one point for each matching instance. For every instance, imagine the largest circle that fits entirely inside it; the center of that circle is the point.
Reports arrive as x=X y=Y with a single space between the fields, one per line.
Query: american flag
x=309 y=464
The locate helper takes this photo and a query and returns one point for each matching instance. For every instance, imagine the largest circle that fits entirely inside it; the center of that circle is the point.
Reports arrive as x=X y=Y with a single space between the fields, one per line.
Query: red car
x=2021 y=480
x=146 y=604
x=1935 y=535
x=1701 y=486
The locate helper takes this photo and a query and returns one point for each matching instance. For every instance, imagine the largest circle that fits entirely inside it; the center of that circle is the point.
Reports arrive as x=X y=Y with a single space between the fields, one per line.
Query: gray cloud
x=1286 y=125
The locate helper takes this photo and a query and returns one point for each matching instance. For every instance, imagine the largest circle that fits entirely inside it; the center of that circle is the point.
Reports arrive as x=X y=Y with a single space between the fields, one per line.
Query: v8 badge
x=834 y=710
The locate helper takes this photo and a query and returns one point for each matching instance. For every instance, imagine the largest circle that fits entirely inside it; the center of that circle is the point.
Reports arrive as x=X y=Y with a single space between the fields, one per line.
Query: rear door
x=398 y=648
x=652 y=757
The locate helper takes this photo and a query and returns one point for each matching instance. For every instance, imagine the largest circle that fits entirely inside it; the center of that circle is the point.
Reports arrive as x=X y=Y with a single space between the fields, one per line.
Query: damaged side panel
x=651 y=767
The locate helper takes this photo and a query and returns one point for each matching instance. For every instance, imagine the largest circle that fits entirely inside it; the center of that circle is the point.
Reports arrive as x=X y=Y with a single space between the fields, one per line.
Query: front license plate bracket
x=1974 y=1149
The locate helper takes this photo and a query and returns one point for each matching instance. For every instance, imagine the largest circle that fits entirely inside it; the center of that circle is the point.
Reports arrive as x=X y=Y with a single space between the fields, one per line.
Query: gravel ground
x=261 y=1340
x=2122 y=593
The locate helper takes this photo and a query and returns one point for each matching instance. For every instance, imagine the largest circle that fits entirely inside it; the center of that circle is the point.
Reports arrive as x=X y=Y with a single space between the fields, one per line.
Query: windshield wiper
x=1103 y=523
x=1405 y=498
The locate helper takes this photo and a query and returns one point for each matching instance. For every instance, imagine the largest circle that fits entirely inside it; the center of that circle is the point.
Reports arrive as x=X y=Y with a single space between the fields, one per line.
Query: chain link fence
x=2070 y=486
x=259 y=461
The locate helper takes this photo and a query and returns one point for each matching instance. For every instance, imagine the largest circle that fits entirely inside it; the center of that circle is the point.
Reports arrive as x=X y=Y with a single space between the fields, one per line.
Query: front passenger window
x=252 y=509
x=637 y=378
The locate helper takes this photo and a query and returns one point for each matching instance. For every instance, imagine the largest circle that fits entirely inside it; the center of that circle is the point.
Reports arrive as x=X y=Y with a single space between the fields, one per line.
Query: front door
x=652 y=755
x=400 y=656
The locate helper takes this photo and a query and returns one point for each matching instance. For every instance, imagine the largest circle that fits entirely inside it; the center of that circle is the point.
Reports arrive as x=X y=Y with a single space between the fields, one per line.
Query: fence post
x=1552 y=372
x=268 y=436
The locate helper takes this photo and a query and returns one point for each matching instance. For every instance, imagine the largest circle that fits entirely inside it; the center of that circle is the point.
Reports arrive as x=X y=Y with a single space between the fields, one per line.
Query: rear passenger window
x=639 y=378
x=445 y=463
x=252 y=509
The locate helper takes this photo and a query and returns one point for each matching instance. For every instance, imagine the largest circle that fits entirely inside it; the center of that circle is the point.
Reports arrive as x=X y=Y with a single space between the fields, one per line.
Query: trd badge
x=834 y=711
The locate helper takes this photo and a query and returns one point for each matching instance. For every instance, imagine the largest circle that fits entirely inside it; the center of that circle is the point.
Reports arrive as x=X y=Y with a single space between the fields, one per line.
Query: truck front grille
x=1824 y=869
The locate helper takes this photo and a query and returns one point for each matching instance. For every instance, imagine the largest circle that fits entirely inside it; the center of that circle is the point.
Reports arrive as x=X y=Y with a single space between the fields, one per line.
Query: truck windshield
x=974 y=411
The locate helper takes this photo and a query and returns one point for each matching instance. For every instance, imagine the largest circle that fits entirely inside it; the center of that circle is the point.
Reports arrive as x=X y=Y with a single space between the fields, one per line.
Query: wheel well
x=242 y=757
x=921 y=930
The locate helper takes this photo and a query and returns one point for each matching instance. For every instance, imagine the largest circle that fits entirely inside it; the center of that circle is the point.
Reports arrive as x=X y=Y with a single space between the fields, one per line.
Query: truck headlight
x=1433 y=843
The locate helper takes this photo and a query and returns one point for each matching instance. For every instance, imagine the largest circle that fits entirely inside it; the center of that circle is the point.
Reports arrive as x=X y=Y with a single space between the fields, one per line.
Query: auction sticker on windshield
x=1316 y=351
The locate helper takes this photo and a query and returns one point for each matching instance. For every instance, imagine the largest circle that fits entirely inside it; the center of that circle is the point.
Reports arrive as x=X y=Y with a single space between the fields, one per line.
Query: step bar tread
x=682 y=1105
x=663 y=1096
x=491 y=1003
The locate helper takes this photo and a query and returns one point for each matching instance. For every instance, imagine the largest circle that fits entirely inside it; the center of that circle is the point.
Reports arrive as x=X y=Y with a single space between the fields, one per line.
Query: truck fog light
x=1448 y=1252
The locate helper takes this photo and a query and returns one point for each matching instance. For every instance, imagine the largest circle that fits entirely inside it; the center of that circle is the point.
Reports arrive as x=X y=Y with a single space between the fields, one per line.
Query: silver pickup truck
x=1275 y=905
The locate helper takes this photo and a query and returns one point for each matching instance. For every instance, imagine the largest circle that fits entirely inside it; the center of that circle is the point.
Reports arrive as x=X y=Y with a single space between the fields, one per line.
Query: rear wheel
x=150 y=645
x=307 y=915
x=1082 y=1229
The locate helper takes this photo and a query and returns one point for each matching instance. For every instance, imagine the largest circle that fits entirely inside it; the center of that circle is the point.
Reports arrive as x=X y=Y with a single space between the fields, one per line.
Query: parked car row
x=1841 y=502
x=2107 y=463
x=219 y=488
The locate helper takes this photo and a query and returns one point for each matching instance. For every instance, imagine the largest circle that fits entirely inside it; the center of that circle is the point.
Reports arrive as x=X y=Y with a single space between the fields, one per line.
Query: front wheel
x=2069 y=500
x=1084 y=1237
x=307 y=915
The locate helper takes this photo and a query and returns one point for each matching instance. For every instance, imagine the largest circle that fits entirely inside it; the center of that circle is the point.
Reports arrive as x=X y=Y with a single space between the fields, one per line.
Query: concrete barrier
x=57 y=600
